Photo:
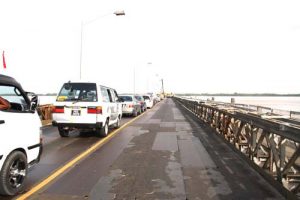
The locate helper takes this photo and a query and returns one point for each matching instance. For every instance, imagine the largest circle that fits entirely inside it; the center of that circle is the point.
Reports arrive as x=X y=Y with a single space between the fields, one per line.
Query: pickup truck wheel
x=63 y=132
x=103 y=132
x=13 y=174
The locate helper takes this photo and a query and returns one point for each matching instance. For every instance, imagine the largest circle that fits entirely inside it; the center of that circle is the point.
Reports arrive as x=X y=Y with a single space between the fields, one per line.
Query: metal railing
x=271 y=144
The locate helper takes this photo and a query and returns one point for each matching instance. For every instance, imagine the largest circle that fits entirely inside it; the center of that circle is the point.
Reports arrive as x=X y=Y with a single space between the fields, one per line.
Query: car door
x=113 y=105
x=19 y=128
x=105 y=102
x=5 y=137
x=118 y=103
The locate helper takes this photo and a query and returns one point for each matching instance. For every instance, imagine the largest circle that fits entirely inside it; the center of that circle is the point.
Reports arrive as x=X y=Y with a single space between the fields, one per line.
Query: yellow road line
x=74 y=161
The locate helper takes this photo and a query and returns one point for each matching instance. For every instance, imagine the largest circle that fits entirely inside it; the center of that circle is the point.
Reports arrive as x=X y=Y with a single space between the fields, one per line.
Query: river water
x=281 y=103
x=275 y=102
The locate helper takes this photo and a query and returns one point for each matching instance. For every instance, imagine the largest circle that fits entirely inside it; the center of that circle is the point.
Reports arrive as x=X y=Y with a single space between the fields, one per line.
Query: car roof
x=7 y=80
x=126 y=95
x=85 y=81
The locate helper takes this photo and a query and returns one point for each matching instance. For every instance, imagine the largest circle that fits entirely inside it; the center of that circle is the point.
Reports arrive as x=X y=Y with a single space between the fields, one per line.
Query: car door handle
x=2 y=121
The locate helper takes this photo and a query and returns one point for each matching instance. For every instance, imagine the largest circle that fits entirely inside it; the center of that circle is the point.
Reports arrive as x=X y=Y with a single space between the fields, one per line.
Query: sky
x=195 y=46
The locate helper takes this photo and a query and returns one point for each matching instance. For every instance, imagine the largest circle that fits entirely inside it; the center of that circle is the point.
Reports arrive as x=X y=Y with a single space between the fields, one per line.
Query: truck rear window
x=78 y=92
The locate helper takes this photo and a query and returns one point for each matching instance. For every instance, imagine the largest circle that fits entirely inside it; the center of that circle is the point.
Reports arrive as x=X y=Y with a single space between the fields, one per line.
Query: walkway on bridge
x=165 y=154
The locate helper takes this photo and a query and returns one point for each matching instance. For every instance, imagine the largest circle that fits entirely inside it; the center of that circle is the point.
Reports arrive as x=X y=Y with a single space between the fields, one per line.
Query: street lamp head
x=119 y=12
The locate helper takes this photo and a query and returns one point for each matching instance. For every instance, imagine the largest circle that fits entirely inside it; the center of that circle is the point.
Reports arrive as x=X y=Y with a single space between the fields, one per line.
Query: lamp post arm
x=95 y=19
x=83 y=23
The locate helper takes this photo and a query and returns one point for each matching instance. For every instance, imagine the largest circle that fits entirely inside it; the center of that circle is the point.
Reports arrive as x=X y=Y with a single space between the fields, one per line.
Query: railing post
x=232 y=101
x=259 y=110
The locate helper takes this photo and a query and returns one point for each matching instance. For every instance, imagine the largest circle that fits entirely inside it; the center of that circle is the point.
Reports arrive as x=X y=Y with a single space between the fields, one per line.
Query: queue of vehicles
x=79 y=105
x=135 y=104
x=90 y=106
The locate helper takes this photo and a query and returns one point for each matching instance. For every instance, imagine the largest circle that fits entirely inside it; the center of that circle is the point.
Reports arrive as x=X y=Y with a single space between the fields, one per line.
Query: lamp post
x=117 y=13
x=149 y=65
x=134 y=80
x=162 y=86
x=134 y=76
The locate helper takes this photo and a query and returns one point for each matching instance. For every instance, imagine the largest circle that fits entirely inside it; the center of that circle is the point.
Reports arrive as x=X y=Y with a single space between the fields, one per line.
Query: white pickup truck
x=20 y=135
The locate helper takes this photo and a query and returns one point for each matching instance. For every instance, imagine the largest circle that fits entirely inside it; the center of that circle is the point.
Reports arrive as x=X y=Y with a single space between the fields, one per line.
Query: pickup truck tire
x=13 y=174
x=63 y=132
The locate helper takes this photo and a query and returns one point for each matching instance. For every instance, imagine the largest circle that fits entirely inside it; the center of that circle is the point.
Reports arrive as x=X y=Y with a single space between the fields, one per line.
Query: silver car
x=130 y=105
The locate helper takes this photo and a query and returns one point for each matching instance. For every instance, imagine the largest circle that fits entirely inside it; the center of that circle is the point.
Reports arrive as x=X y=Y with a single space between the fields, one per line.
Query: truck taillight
x=58 y=109
x=95 y=110
x=130 y=105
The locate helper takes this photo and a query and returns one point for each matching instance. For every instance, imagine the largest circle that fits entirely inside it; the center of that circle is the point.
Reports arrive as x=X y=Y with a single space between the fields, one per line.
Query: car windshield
x=126 y=98
x=139 y=98
x=78 y=92
x=146 y=98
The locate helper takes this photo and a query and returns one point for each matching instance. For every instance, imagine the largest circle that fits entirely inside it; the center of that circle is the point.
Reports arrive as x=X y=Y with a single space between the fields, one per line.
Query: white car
x=148 y=100
x=20 y=136
x=86 y=106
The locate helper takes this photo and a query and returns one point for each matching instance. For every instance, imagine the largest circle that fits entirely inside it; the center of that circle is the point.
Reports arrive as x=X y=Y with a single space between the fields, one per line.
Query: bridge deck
x=165 y=154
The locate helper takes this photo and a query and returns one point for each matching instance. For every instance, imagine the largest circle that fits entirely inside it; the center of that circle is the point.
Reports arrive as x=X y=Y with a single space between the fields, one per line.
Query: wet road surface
x=57 y=151
x=165 y=154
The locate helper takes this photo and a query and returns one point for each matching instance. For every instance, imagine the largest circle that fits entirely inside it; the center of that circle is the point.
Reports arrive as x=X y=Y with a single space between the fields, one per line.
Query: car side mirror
x=33 y=100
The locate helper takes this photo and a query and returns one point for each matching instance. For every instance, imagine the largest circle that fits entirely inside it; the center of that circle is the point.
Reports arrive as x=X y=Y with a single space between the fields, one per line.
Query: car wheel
x=103 y=132
x=13 y=174
x=117 y=124
x=135 y=113
x=63 y=132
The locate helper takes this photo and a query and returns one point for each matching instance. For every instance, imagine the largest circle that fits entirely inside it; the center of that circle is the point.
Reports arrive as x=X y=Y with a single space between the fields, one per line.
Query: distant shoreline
x=240 y=94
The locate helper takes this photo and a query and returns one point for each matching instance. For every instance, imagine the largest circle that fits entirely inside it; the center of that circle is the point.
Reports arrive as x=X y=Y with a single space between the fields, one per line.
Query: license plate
x=75 y=113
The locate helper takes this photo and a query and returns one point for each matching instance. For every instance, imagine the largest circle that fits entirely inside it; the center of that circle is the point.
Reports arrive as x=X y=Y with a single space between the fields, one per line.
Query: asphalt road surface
x=165 y=154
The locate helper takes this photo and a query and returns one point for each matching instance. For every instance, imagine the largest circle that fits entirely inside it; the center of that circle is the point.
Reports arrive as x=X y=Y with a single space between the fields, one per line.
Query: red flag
x=4 y=64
